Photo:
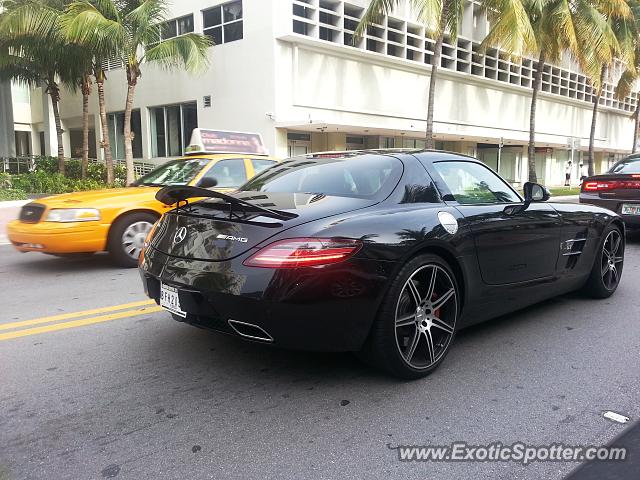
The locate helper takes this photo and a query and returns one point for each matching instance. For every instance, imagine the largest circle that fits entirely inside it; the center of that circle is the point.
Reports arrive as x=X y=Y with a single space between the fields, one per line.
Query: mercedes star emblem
x=180 y=235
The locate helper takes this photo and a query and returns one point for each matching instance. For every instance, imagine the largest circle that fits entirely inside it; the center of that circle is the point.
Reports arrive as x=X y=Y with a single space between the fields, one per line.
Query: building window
x=355 y=143
x=116 y=134
x=387 y=142
x=23 y=144
x=171 y=128
x=223 y=23
x=176 y=27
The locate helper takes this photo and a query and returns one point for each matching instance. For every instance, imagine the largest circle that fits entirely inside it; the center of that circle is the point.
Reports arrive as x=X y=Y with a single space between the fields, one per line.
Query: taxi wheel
x=127 y=236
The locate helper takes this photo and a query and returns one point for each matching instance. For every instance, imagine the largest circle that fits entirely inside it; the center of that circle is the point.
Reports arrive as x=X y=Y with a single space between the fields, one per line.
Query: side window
x=229 y=173
x=260 y=164
x=472 y=183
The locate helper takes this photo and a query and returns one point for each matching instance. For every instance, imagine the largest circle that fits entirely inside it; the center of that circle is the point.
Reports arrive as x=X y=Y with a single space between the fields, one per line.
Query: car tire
x=127 y=236
x=411 y=348
x=607 y=266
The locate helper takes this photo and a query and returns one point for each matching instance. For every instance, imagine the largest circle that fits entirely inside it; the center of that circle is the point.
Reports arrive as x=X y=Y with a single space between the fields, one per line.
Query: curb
x=14 y=203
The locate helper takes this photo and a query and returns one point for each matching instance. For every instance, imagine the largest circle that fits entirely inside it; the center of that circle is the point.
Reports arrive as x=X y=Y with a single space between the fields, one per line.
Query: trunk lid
x=212 y=231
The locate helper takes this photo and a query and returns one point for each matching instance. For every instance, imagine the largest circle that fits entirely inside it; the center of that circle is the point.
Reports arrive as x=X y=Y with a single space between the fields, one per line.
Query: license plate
x=631 y=209
x=170 y=300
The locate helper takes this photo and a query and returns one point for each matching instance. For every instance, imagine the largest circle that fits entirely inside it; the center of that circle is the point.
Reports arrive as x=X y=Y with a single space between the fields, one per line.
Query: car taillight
x=304 y=252
x=603 y=186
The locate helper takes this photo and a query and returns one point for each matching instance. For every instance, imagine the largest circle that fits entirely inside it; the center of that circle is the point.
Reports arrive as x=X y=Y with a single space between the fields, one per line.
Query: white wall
x=362 y=88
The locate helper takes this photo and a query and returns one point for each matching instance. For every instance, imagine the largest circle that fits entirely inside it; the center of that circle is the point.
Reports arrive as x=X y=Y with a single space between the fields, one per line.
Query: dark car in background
x=618 y=190
x=385 y=253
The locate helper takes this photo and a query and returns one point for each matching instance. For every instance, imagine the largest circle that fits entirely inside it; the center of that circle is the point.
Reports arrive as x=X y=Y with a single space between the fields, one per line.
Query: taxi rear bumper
x=51 y=237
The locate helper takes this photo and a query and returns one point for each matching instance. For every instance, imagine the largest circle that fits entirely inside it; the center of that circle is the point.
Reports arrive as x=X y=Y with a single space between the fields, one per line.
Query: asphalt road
x=128 y=393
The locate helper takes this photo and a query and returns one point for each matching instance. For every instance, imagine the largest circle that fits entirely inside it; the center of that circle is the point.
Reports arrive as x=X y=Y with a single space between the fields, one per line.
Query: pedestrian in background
x=584 y=173
x=567 y=174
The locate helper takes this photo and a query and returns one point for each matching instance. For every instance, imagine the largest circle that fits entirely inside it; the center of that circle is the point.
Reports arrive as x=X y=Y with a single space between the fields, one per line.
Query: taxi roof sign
x=204 y=141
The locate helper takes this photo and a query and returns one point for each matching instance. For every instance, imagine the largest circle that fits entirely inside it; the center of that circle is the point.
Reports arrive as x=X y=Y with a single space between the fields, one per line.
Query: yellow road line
x=78 y=323
x=67 y=316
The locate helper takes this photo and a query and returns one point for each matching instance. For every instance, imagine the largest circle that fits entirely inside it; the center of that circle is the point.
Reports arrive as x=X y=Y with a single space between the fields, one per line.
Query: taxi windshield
x=176 y=172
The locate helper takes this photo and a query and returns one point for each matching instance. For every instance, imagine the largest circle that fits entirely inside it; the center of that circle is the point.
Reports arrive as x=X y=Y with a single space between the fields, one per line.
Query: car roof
x=423 y=154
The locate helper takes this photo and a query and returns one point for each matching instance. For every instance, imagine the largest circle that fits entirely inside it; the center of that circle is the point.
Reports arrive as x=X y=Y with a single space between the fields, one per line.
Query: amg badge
x=232 y=238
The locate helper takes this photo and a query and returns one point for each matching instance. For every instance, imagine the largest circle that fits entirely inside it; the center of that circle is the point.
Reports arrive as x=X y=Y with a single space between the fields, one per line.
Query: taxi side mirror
x=208 y=182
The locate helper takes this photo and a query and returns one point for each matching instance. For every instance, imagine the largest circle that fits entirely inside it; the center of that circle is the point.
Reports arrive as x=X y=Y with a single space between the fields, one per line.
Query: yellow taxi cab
x=118 y=220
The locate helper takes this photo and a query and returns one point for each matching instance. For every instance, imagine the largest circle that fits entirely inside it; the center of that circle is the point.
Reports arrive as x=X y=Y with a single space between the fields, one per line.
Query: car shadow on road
x=219 y=356
x=43 y=264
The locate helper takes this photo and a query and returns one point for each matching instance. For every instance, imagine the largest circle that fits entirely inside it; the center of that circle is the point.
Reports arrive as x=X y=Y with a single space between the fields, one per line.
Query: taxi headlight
x=65 y=215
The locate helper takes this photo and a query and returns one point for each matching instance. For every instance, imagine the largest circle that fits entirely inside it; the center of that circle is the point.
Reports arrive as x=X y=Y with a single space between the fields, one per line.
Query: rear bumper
x=51 y=237
x=615 y=205
x=318 y=309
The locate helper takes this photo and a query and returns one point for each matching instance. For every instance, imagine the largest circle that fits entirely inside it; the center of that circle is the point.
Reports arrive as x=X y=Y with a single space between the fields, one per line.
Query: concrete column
x=337 y=141
x=7 y=133
x=280 y=149
x=145 y=125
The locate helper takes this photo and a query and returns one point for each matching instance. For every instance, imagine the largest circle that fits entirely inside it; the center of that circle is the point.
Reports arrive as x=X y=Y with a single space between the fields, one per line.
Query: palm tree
x=100 y=49
x=33 y=52
x=622 y=43
x=548 y=29
x=630 y=76
x=85 y=87
x=132 y=31
x=438 y=16
x=625 y=86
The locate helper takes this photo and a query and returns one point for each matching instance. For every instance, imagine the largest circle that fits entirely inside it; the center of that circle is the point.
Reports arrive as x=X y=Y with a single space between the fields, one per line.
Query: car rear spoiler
x=176 y=194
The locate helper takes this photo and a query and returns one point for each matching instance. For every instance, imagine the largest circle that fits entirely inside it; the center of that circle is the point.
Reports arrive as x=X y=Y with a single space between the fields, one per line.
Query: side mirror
x=208 y=182
x=534 y=192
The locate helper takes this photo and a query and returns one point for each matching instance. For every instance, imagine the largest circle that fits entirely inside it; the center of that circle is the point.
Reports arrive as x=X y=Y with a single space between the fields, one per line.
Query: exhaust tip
x=250 y=331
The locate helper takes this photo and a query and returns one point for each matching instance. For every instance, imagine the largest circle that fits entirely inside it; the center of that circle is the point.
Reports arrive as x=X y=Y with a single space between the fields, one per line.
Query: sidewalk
x=566 y=199
x=9 y=211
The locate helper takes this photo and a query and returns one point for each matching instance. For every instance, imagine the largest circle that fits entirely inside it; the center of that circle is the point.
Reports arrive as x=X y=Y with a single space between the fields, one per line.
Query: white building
x=289 y=70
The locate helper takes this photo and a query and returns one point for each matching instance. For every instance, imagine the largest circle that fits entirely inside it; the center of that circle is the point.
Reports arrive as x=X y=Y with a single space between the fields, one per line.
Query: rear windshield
x=628 y=165
x=361 y=176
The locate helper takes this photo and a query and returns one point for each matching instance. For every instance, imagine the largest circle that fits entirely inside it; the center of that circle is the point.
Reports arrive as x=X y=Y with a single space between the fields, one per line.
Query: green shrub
x=6 y=181
x=12 y=194
x=73 y=169
x=53 y=183
x=46 y=164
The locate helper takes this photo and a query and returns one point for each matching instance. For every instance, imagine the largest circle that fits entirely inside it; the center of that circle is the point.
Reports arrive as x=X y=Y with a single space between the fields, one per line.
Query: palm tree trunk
x=128 y=138
x=133 y=73
x=537 y=83
x=594 y=119
x=105 y=143
x=86 y=91
x=433 y=79
x=636 y=123
x=54 y=92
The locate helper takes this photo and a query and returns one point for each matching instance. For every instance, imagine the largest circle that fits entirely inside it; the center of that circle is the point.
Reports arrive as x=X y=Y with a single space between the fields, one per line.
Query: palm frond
x=188 y=51
x=512 y=29
x=144 y=23
x=84 y=24
x=626 y=83
x=374 y=13
x=429 y=13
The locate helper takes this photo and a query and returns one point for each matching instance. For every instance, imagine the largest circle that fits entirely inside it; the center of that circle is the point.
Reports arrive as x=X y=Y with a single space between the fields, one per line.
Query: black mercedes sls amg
x=386 y=253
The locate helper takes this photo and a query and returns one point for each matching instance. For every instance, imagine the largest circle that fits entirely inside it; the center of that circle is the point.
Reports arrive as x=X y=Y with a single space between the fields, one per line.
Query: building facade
x=293 y=71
